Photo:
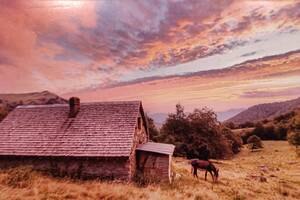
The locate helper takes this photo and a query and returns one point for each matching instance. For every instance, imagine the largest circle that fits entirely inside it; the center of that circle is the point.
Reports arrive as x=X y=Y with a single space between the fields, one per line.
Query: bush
x=267 y=132
x=230 y=125
x=294 y=133
x=259 y=130
x=245 y=136
x=247 y=125
x=281 y=132
x=235 y=140
x=254 y=142
x=294 y=138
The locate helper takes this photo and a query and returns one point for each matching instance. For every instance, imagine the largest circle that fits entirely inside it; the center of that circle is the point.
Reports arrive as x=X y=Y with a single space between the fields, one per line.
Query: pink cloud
x=67 y=46
x=219 y=89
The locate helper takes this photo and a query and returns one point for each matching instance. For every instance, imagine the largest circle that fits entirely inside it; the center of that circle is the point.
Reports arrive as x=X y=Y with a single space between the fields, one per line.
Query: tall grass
x=235 y=182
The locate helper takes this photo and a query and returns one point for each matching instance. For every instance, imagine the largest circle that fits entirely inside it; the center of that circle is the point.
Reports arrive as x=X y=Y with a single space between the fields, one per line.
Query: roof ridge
x=83 y=103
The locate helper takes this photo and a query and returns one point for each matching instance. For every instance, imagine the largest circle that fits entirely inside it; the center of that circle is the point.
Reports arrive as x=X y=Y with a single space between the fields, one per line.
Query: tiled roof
x=104 y=129
x=157 y=148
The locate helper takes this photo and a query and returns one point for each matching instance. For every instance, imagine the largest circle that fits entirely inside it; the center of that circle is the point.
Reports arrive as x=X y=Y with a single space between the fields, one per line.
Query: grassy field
x=273 y=173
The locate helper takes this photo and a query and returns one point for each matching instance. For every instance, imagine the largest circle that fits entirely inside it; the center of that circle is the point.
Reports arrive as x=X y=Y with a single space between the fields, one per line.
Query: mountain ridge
x=265 y=111
x=11 y=100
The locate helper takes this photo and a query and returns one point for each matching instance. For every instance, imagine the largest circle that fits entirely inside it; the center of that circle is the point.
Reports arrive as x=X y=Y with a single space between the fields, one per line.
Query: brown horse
x=207 y=166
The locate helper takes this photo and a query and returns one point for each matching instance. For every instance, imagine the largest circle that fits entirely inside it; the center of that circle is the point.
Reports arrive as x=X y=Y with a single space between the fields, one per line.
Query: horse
x=207 y=166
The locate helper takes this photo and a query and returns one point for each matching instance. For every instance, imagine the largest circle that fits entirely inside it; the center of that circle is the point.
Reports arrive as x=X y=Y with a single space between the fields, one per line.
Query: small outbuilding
x=154 y=160
x=88 y=140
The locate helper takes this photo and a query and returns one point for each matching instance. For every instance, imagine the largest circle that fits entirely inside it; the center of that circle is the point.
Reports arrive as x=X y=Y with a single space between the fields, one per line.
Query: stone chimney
x=74 y=104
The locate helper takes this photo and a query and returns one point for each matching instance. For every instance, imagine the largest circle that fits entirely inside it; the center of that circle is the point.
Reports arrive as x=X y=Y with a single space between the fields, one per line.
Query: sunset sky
x=220 y=54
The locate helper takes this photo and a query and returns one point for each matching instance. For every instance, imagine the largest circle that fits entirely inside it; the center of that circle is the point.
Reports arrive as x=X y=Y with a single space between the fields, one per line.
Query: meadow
x=271 y=173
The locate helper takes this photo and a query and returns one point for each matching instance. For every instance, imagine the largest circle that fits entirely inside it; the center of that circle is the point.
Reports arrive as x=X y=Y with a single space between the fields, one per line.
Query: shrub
x=285 y=117
x=234 y=140
x=230 y=125
x=294 y=133
x=254 y=142
x=294 y=138
x=281 y=132
x=247 y=125
x=267 y=132
x=245 y=136
x=258 y=130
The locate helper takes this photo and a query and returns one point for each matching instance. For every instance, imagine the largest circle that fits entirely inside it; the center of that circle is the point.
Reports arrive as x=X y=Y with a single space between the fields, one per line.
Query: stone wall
x=154 y=165
x=140 y=137
x=85 y=168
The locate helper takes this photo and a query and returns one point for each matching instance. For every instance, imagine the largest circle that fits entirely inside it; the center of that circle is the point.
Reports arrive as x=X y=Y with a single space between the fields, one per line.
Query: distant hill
x=9 y=101
x=222 y=116
x=158 y=118
x=265 y=111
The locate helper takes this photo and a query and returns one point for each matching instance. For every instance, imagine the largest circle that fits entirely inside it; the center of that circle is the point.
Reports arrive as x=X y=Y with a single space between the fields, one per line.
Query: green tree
x=258 y=130
x=198 y=134
x=153 y=131
x=294 y=133
x=176 y=127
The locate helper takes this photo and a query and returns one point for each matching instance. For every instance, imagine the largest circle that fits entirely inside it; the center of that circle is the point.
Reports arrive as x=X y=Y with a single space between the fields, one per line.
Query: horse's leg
x=205 y=174
x=196 y=172
x=212 y=176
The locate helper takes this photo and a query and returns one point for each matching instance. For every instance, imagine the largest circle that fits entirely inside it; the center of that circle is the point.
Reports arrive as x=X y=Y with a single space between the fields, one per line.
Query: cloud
x=218 y=89
x=248 y=54
x=67 y=46
x=274 y=93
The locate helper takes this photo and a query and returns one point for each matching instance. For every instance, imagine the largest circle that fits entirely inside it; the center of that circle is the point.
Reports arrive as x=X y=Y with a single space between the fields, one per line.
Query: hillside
x=272 y=173
x=9 y=101
x=265 y=111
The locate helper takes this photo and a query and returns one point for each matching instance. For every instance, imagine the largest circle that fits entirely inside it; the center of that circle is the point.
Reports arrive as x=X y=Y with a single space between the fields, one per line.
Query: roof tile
x=102 y=129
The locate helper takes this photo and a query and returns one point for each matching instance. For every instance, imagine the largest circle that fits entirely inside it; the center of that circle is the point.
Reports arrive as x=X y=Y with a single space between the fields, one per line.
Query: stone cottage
x=88 y=140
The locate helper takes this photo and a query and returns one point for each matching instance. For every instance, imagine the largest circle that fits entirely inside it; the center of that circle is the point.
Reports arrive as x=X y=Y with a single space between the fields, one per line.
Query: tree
x=198 y=134
x=176 y=127
x=247 y=125
x=153 y=131
x=230 y=125
x=258 y=130
x=281 y=132
x=294 y=133
x=294 y=138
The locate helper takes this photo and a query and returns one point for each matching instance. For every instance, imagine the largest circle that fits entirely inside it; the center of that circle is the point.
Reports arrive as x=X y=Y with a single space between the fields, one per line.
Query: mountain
x=158 y=118
x=222 y=116
x=9 y=101
x=265 y=111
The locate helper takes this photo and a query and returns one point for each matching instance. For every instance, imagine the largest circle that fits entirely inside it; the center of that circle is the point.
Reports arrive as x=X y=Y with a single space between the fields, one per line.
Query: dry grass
x=240 y=178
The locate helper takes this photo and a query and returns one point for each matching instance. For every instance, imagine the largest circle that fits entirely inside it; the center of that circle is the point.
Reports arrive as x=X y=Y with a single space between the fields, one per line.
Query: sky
x=220 y=54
